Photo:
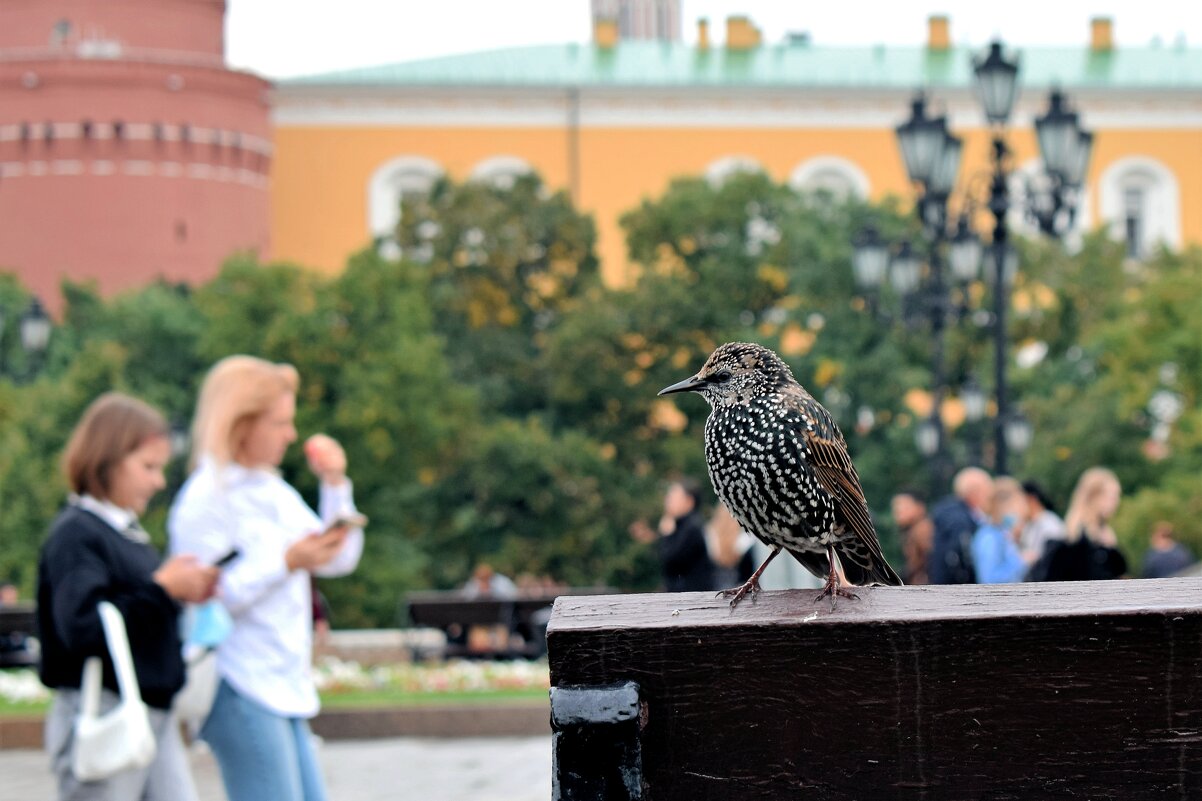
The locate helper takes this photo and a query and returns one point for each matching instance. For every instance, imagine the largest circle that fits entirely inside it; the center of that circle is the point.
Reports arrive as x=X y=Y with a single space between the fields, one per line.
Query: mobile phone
x=355 y=520
x=233 y=554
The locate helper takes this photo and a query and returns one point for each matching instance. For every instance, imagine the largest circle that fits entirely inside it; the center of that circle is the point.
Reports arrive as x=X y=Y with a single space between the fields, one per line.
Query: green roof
x=657 y=64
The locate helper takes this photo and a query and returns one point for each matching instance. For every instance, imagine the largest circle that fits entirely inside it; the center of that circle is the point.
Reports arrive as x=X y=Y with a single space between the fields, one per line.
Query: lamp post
x=932 y=159
x=33 y=328
x=1065 y=149
x=931 y=155
x=973 y=398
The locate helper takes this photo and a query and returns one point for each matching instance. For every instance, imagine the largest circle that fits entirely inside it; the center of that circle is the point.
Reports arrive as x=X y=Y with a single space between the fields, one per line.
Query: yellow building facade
x=614 y=123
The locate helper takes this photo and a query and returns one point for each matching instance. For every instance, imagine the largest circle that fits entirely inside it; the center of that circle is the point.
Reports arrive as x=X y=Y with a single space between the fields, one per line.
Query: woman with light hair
x=1090 y=548
x=236 y=501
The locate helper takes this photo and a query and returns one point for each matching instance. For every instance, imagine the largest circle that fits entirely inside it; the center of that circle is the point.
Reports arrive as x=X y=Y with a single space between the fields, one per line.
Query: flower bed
x=343 y=682
x=334 y=676
x=20 y=691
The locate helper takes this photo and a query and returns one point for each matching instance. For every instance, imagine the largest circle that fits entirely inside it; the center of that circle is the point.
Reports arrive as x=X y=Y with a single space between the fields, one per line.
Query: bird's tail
x=873 y=570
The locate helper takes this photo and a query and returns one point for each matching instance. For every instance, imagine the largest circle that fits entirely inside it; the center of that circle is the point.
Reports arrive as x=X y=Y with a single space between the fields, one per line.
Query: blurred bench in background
x=18 y=646
x=489 y=628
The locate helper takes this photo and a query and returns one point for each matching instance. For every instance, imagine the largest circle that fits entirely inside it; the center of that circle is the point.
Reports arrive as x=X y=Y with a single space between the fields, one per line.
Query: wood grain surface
x=1065 y=690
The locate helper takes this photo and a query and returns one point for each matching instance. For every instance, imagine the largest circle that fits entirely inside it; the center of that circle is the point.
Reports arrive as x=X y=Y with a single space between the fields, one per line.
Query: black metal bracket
x=597 y=753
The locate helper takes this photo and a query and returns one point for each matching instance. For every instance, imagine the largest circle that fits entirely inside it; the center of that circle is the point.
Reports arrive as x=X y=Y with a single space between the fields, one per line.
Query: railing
x=1059 y=691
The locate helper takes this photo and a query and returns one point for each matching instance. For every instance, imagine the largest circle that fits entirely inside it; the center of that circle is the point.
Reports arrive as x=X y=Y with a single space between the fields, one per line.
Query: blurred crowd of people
x=996 y=530
x=989 y=530
x=696 y=554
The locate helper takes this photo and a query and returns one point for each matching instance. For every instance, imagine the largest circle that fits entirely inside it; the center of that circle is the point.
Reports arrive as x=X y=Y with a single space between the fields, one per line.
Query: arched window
x=500 y=171
x=1141 y=203
x=389 y=183
x=717 y=172
x=842 y=178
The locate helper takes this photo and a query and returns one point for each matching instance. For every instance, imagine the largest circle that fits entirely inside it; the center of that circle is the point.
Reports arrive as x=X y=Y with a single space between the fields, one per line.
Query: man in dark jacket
x=956 y=519
x=682 y=551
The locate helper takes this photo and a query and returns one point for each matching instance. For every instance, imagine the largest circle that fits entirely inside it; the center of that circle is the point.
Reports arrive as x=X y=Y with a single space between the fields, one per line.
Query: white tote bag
x=121 y=739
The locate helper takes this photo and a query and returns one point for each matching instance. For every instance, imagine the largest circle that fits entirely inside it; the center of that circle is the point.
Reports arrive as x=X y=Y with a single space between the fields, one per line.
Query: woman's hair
x=1037 y=492
x=1005 y=490
x=692 y=489
x=112 y=427
x=236 y=391
x=1083 y=515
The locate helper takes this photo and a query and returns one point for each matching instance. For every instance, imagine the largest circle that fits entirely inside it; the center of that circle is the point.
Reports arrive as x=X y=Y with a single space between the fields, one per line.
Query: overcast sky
x=283 y=38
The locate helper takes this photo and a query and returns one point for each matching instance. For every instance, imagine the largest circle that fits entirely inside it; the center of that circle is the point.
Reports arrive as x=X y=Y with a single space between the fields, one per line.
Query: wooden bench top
x=1025 y=691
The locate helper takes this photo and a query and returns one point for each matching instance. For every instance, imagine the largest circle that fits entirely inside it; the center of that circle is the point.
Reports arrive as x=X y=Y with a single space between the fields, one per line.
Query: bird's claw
x=736 y=594
x=835 y=592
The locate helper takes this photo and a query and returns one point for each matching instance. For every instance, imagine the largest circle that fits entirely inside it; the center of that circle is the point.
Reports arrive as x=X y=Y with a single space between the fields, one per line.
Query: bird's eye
x=721 y=377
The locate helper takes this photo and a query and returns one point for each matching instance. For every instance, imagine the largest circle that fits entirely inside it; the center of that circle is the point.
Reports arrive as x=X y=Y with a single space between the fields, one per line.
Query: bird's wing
x=837 y=475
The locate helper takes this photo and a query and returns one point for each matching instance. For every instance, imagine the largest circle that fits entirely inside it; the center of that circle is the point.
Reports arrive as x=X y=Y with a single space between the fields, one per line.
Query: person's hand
x=326 y=458
x=641 y=532
x=186 y=579
x=315 y=550
x=667 y=525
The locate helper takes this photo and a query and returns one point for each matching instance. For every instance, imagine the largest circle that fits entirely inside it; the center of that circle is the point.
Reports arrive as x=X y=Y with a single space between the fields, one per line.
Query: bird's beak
x=688 y=385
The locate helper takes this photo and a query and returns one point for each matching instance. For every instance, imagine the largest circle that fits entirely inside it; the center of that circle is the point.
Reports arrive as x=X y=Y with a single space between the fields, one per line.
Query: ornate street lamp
x=1061 y=141
x=927 y=437
x=964 y=253
x=905 y=271
x=1075 y=177
x=1019 y=432
x=870 y=260
x=973 y=398
x=932 y=155
x=947 y=166
x=975 y=406
x=1065 y=149
x=1058 y=135
x=997 y=83
x=180 y=439
x=35 y=328
x=921 y=139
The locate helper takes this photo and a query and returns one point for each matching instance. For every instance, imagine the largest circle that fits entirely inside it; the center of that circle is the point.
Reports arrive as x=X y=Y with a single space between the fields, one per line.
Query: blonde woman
x=97 y=552
x=236 y=500
x=1089 y=550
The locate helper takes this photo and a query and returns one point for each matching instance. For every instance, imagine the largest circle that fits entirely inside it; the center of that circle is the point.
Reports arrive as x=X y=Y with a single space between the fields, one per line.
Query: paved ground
x=500 y=769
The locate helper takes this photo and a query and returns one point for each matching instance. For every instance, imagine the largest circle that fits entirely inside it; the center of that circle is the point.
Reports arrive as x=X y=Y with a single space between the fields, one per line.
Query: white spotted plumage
x=779 y=463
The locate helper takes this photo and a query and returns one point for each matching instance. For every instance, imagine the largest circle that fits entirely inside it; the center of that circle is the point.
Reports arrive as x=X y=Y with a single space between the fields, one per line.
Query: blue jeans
x=262 y=755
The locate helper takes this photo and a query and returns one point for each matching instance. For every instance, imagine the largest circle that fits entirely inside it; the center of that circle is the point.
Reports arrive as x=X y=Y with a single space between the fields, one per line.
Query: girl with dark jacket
x=97 y=552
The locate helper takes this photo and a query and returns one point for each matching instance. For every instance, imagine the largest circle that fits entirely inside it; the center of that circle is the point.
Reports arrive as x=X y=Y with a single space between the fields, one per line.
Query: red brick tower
x=127 y=149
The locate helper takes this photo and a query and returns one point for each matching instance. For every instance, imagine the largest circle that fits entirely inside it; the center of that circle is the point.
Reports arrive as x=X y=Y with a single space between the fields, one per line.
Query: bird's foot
x=833 y=590
x=736 y=594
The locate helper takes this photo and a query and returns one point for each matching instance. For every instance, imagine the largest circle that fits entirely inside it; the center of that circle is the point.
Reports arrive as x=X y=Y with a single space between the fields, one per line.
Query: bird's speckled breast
x=759 y=465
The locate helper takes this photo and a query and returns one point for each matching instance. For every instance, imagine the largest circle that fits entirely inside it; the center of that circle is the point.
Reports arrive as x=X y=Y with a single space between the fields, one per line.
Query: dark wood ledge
x=1082 y=690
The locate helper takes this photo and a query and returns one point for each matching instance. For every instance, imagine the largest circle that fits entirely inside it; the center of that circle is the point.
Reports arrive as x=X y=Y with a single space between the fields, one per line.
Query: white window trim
x=1162 y=200
x=500 y=171
x=804 y=173
x=718 y=171
x=383 y=197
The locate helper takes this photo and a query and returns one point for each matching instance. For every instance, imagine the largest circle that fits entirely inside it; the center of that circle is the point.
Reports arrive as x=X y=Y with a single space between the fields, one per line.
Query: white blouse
x=267 y=656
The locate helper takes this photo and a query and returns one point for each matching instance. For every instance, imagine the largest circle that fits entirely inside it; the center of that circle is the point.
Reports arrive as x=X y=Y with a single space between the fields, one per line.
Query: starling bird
x=780 y=464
